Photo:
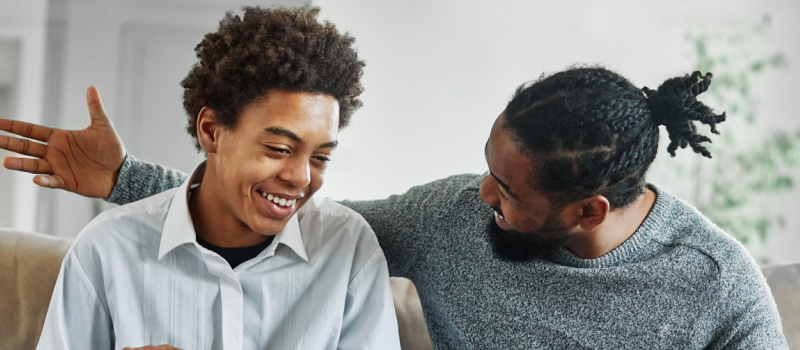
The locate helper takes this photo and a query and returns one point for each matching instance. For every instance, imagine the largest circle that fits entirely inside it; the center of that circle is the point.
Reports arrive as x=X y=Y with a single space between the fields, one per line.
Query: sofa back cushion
x=29 y=265
x=784 y=281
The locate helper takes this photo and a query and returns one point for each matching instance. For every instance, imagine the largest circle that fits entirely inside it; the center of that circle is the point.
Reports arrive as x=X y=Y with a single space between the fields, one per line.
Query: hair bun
x=675 y=106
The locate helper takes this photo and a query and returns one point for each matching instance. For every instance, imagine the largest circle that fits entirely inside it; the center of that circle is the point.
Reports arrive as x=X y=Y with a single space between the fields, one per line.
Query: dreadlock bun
x=675 y=106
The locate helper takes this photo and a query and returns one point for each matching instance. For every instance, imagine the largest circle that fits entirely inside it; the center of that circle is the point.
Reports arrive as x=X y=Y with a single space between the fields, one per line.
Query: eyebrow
x=284 y=132
x=275 y=130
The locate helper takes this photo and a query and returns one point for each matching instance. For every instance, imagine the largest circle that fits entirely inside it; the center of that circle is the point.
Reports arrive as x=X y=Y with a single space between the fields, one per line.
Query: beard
x=516 y=246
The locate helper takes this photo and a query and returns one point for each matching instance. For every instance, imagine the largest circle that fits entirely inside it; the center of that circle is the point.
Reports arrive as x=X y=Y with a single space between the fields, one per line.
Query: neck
x=615 y=230
x=214 y=220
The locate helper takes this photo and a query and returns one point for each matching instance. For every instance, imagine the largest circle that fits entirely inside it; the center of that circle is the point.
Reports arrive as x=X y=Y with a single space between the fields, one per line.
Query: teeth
x=498 y=215
x=279 y=201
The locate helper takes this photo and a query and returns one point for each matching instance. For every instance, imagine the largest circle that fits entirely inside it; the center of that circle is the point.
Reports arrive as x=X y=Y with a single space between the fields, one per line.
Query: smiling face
x=507 y=188
x=267 y=167
x=525 y=221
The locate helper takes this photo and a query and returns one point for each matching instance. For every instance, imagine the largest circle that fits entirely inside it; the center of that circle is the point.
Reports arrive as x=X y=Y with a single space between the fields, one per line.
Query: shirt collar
x=292 y=238
x=179 y=229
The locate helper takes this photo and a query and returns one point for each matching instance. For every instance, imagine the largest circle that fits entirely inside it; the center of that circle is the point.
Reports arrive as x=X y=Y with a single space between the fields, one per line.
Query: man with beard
x=581 y=252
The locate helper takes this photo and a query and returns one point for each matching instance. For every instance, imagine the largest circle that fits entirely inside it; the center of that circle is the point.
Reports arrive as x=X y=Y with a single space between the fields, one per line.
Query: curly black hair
x=271 y=48
x=591 y=132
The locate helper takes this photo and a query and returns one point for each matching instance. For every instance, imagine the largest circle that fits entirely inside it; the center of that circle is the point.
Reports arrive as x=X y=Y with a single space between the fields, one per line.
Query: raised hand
x=86 y=161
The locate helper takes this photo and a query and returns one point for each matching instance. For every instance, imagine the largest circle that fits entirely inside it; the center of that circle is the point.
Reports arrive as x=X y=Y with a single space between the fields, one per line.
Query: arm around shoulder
x=138 y=180
x=405 y=223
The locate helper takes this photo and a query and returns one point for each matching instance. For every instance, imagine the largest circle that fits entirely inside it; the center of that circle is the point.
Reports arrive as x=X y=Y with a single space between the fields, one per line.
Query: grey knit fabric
x=678 y=283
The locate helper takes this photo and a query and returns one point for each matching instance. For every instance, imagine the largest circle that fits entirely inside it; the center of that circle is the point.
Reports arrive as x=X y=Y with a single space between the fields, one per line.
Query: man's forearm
x=138 y=180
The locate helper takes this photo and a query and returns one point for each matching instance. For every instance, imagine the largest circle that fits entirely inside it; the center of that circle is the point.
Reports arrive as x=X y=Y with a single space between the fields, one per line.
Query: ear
x=592 y=212
x=208 y=130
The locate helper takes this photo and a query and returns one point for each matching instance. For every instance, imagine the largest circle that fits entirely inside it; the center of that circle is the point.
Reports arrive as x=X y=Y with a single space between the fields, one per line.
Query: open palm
x=86 y=161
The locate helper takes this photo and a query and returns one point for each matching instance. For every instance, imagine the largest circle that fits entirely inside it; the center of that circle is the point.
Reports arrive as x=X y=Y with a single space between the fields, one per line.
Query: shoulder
x=428 y=199
x=336 y=232
x=448 y=187
x=115 y=228
x=330 y=213
x=326 y=218
x=688 y=228
x=743 y=311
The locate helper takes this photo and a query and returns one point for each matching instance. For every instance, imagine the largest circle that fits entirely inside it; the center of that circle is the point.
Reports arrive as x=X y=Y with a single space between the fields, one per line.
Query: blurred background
x=437 y=75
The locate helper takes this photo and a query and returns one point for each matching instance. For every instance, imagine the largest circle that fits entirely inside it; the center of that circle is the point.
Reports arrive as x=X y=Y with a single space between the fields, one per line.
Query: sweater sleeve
x=406 y=224
x=138 y=180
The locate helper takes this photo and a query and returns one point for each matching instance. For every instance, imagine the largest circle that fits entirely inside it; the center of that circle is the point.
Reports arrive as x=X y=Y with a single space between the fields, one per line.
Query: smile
x=278 y=200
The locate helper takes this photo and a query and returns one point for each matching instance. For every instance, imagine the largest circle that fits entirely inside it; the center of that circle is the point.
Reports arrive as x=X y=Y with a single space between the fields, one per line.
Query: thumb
x=96 y=111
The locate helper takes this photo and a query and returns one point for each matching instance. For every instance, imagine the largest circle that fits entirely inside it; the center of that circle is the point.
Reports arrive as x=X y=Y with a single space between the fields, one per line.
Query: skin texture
x=86 y=161
x=251 y=158
x=593 y=228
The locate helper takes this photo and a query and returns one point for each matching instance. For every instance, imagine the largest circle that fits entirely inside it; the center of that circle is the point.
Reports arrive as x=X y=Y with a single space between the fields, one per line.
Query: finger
x=31 y=131
x=26 y=147
x=96 y=111
x=28 y=165
x=50 y=181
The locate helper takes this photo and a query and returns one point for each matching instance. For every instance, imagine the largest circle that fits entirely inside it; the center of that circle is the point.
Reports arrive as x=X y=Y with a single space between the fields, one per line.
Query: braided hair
x=591 y=132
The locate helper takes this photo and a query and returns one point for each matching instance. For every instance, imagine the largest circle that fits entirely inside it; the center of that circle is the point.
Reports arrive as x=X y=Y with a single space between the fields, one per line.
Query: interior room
x=437 y=75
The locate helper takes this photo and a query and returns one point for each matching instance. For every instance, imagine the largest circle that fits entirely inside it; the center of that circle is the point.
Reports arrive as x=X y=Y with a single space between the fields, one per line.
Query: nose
x=488 y=191
x=297 y=173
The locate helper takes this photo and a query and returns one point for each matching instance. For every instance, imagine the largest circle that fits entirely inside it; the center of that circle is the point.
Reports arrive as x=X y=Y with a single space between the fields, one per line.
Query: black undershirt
x=238 y=255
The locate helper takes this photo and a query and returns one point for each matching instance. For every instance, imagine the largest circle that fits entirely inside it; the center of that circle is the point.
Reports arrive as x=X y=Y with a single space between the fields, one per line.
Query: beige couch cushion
x=29 y=264
x=410 y=321
x=784 y=281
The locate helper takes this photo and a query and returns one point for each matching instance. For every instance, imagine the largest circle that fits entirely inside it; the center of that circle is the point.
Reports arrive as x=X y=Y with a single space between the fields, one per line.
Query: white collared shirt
x=136 y=276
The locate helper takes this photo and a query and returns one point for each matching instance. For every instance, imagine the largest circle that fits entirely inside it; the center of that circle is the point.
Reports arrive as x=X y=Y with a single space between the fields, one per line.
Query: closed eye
x=278 y=150
x=501 y=193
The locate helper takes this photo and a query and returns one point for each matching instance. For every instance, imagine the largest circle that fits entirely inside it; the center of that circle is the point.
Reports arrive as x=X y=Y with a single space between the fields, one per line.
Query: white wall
x=22 y=30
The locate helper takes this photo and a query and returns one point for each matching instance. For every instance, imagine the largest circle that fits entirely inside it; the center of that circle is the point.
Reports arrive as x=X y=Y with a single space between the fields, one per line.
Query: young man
x=241 y=255
x=574 y=250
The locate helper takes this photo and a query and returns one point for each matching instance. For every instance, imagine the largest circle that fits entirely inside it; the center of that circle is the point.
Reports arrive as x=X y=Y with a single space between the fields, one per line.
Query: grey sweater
x=678 y=283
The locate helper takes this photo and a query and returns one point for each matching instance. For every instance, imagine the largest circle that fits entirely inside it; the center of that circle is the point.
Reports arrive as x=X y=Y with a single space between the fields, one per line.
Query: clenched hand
x=86 y=161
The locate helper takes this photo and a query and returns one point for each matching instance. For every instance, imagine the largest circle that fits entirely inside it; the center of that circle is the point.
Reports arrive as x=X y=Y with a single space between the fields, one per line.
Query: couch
x=29 y=264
